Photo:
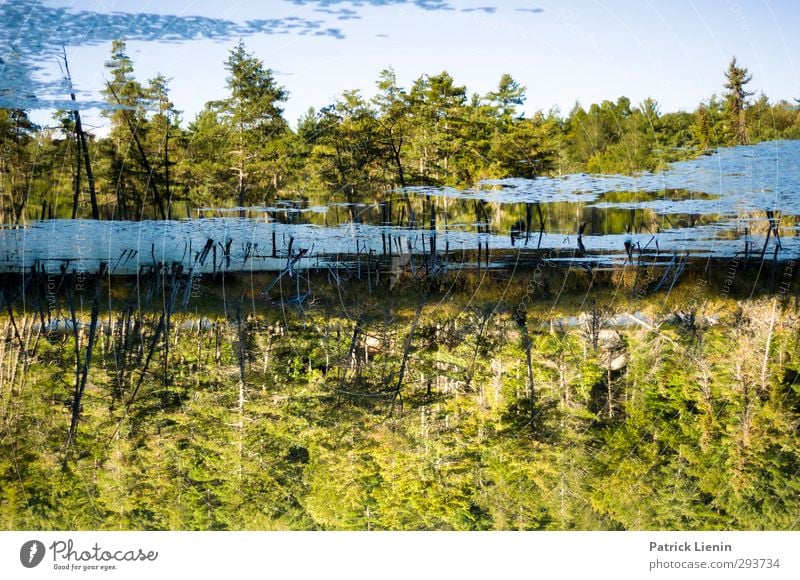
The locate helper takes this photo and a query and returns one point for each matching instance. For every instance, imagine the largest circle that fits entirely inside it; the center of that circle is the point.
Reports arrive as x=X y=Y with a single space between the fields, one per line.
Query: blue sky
x=563 y=51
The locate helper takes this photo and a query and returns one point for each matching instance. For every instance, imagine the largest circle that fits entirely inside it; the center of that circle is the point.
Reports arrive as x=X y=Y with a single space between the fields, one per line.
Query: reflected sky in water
x=718 y=205
x=33 y=34
x=751 y=178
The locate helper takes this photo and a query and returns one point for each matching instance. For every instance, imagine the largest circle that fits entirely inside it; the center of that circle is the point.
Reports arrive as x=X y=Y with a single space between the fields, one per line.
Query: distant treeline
x=241 y=150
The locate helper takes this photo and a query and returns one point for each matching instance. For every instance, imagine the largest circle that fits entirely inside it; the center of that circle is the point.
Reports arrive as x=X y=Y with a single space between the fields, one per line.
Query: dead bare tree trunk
x=406 y=350
x=166 y=170
x=80 y=387
x=242 y=336
x=75 y=333
x=520 y=317
x=351 y=352
x=89 y=173
x=84 y=147
x=78 y=161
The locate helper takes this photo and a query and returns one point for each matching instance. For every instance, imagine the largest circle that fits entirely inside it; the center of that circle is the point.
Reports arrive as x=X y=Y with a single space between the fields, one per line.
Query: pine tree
x=701 y=130
x=127 y=167
x=347 y=147
x=124 y=92
x=438 y=106
x=16 y=134
x=164 y=126
x=507 y=97
x=255 y=119
x=394 y=119
x=736 y=102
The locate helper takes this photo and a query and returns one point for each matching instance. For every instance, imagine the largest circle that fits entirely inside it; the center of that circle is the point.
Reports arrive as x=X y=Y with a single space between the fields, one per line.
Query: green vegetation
x=241 y=150
x=470 y=402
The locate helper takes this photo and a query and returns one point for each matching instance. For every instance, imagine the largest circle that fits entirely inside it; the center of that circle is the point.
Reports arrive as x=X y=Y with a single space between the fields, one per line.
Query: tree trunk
x=166 y=171
x=77 y=191
x=80 y=387
x=520 y=317
x=87 y=162
x=766 y=348
x=84 y=147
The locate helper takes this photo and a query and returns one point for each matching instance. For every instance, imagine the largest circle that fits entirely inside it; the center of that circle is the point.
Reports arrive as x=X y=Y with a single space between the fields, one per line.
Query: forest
x=240 y=151
x=460 y=402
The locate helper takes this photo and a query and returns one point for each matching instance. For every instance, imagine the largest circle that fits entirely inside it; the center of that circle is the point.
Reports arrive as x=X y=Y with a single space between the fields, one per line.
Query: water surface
x=742 y=201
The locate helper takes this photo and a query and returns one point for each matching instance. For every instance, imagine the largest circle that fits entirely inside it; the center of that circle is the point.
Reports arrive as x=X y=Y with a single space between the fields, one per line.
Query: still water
x=737 y=201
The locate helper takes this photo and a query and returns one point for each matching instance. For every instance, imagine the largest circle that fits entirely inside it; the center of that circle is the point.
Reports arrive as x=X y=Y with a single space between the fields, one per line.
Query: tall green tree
x=17 y=133
x=127 y=168
x=736 y=102
x=254 y=115
x=527 y=149
x=701 y=128
x=394 y=117
x=508 y=96
x=347 y=147
x=124 y=91
x=164 y=127
x=438 y=109
x=590 y=133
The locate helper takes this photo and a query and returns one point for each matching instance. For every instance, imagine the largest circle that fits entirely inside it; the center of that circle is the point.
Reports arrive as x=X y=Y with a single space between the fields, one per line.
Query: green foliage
x=313 y=435
x=736 y=102
x=346 y=145
x=17 y=162
x=253 y=117
x=241 y=151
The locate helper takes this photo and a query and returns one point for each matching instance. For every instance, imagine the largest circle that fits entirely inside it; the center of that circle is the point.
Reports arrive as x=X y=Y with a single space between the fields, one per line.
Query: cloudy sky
x=563 y=51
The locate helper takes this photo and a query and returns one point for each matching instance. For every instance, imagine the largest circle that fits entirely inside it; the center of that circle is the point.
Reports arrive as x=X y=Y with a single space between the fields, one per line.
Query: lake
x=741 y=201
